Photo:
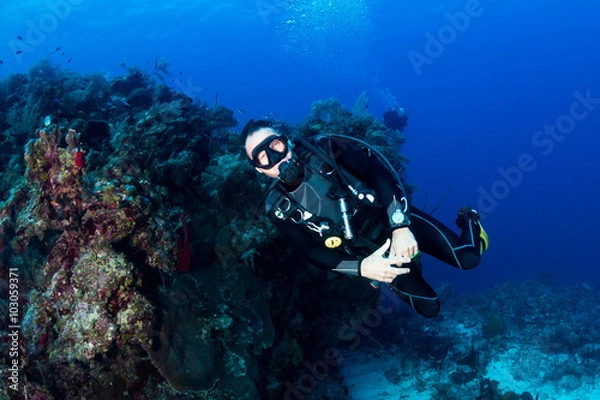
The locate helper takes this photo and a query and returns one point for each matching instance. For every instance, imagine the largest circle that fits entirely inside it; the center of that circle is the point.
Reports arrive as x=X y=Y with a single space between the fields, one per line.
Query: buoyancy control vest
x=326 y=200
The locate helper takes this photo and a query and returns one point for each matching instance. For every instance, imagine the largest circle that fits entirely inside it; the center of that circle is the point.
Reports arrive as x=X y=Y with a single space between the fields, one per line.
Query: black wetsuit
x=371 y=225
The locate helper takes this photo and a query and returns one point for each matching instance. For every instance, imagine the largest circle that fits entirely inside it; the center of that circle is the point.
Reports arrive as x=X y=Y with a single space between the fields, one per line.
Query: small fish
x=1 y=62
x=120 y=100
x=19 y=52
x=20 y=37
x=240 y=110
x=57 y=49
x=69 y=60
x=47 y=120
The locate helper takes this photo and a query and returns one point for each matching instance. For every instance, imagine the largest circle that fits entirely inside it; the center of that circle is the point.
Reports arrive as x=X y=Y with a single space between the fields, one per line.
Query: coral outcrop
x=519 y=340
x=146 y=266
x=91 y=218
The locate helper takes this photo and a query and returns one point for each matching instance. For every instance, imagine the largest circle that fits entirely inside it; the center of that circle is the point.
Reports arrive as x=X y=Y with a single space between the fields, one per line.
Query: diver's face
x=268 y=150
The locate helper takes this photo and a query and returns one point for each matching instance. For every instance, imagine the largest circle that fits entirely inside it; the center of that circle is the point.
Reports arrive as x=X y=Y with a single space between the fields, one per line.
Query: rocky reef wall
x=145 y=266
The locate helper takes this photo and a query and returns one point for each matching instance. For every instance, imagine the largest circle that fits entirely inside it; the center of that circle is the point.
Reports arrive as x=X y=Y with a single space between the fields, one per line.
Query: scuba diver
x=338 y=200
x=395 y=118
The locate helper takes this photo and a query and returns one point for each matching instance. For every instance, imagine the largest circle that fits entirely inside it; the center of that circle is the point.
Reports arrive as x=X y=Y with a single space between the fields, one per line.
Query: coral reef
x=520 y=340
x=90 y=218
x=330 y=116
x=146 y=267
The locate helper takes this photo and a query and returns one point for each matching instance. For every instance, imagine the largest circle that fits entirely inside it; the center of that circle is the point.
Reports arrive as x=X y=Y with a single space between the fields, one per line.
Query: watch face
x=397 y=217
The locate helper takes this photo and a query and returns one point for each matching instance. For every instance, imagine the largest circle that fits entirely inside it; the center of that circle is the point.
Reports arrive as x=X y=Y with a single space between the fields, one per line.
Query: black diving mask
x=270 y=151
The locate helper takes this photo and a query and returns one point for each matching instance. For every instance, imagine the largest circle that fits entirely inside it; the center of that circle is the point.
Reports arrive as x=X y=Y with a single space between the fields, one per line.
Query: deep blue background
x=475 y=109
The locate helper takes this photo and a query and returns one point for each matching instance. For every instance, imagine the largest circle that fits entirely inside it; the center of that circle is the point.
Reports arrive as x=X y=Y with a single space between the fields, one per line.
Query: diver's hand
x=403 y=243
x=379 y=268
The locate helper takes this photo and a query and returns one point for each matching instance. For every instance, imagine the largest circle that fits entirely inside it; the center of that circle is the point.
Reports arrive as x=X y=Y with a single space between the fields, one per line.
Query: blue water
x=493 y=80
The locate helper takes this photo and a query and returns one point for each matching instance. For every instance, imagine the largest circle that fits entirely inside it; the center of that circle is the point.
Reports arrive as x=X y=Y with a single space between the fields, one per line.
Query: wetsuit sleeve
x=367 y=167
x=320 y=256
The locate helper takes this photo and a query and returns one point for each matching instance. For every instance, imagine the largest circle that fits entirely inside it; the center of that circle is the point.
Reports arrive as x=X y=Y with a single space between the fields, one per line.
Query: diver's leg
x=416 y=292
x=439 y=241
